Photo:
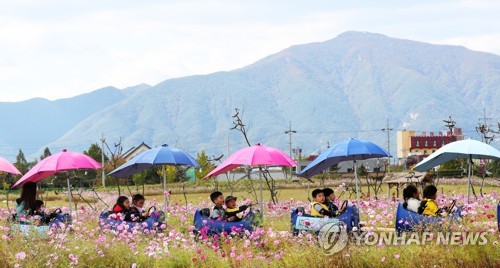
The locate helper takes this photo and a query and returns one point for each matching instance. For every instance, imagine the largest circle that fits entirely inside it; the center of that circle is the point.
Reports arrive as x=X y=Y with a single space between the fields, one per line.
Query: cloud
x=60 y=49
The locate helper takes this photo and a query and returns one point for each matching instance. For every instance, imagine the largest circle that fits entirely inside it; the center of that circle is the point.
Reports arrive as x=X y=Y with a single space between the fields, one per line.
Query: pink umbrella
x=8 y=167
x=255 y=156
x=62 y=161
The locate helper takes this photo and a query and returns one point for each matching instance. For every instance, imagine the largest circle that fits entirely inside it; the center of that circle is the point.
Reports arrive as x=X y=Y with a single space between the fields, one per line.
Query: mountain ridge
x=354 y=82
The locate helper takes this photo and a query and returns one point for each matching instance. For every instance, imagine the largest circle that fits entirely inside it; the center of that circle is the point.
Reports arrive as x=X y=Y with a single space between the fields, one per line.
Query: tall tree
x=46 y=153
x=94 y=152
x=140 y=179
x=495 y=168
x=205 y=165
x=21 y=162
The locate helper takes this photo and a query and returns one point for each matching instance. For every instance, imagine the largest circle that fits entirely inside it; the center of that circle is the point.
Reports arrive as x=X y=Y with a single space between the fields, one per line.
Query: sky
x=58 y=48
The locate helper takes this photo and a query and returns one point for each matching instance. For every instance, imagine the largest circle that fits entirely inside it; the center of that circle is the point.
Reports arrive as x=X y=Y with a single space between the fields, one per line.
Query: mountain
x=330 y=91
x=135 y=89
x=36 y=122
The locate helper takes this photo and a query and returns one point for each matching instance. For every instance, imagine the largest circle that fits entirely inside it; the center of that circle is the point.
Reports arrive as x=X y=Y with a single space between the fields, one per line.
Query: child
x=318 y=208
x=39 y=215
x=122 y=205
x=137 y=203
x=218 y=212
x=231 y=209
x=136 y=209
x=428 y=206
x=329 y=199
x=411 y=198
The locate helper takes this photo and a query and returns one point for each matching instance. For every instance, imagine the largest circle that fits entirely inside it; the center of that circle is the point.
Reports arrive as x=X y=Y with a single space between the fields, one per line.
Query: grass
x=270 y=246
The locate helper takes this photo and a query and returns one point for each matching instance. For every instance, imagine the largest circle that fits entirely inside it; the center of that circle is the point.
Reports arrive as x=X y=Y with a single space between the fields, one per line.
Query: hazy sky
x=56 y=48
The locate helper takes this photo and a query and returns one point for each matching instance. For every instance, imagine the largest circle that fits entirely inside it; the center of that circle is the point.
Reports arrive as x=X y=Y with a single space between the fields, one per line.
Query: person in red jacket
x=122 y=205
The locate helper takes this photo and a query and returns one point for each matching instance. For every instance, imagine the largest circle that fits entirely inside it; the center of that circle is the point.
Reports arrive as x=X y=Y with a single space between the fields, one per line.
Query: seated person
x=136 y=209
x=411 y=198
x=39 y=215
x=428 y=206
x=121 y=209
x=231 y=209
x=26 y=203
x=218 y=212
x=329 y=199
x=318 y=208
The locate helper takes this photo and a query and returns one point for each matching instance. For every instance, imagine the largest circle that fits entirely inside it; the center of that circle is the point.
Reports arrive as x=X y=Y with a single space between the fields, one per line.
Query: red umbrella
x=255 y=156
x=8 y=167
x=62 y=161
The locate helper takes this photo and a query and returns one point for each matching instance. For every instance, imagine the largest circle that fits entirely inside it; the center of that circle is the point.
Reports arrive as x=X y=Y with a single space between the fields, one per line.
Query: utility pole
x=102 y=158
x=290 y=132
x=484 y=129
x=450 y=124
x=388 y=130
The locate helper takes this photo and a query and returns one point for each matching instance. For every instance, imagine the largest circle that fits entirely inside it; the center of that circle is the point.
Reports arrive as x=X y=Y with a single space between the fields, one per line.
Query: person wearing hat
x=231 y=209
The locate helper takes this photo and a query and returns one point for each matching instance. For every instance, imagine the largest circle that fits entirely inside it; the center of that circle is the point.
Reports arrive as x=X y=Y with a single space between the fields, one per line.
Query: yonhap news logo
x=333 y=238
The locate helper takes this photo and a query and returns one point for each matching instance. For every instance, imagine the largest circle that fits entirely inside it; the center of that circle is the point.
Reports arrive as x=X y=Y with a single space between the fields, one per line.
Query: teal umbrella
x=466 y=149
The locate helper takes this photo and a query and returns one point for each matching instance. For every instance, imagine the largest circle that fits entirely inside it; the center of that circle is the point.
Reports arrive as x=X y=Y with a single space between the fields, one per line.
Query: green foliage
x=494 y=168
x=362 y=171
x=94 y=152
x=453 y=168
x=152 y=175
x=173 y=173
x=21 y=162
x=398 y=168
x=46 y=153
x=205 y=165
x=334 y=169
x=457 y=164
x=140 y=178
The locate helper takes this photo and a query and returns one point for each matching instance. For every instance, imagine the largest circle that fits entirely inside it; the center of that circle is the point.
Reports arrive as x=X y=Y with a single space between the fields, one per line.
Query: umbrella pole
x=165 y=188
x=261 y=197
x=469 y=162
x=69 y=195
x=357 y=186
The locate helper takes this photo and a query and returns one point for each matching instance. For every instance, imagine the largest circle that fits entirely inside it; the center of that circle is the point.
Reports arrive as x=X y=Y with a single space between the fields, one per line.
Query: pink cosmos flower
x=21 y=255
x=73 y=258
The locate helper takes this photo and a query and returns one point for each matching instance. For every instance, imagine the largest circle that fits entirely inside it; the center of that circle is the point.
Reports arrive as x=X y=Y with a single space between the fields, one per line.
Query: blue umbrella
x=163 y=155
x=349 y=150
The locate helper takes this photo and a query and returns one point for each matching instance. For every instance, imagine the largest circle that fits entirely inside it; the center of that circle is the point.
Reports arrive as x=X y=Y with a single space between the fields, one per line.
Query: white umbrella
x=467 y=149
